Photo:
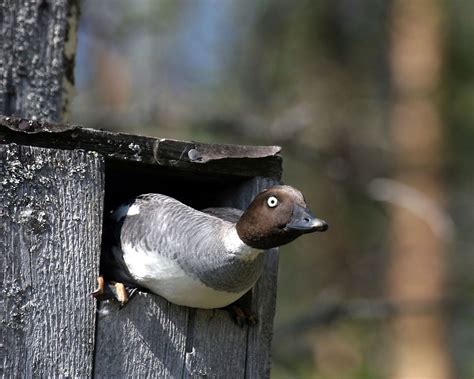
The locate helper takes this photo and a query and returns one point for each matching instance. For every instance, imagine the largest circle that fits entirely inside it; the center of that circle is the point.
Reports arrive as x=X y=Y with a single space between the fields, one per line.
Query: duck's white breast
x=166 y=278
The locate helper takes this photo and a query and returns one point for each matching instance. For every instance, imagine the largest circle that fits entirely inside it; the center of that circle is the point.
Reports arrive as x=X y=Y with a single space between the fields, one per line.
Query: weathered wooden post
x=54 y=182
x=45 y=196
x=50 y=229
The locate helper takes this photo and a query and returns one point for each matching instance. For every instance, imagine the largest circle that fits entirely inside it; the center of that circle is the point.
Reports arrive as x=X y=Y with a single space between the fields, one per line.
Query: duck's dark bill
x=304 y=221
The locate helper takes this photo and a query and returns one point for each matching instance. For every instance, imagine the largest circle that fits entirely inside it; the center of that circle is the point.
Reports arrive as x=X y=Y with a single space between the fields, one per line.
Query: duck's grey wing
x=225 y=213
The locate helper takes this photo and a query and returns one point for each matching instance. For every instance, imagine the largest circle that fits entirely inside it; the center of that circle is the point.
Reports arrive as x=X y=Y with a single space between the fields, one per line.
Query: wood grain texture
x=188 y=157
x=37 y=51
x=50 y=229
x=152 y=338
x=147 y=338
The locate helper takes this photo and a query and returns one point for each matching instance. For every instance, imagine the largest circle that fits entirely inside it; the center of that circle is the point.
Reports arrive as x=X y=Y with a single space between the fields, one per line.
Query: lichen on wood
x=50 y=233
x=37 y=55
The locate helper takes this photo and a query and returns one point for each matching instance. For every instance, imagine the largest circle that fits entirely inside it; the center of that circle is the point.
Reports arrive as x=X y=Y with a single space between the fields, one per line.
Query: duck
x=198 y=258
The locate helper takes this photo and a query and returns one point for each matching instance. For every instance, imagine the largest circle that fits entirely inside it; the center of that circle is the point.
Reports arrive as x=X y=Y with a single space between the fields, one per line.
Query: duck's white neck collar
x=235 y=246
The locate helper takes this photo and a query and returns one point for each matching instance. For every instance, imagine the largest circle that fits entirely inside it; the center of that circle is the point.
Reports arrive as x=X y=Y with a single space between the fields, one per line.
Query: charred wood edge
x=235 y=160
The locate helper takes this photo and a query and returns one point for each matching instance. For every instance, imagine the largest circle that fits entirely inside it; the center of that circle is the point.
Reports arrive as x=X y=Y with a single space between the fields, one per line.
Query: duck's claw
x=242 y=316
x=100 y=290
x=251 y=317
x=113 y=290
x=120 y=293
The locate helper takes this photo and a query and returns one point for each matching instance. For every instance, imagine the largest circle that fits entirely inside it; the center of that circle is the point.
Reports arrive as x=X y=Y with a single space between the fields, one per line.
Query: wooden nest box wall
x=56 y=183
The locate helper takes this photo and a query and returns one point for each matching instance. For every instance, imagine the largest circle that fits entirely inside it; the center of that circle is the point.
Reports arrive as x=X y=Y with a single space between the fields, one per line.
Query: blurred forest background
x=373 y=104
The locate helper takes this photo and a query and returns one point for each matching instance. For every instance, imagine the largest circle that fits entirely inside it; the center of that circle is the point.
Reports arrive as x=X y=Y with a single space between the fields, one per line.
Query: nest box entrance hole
x=126 y=180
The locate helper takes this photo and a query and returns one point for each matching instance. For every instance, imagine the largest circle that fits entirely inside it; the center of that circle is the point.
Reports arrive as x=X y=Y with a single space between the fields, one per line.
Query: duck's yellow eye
x=272 y=201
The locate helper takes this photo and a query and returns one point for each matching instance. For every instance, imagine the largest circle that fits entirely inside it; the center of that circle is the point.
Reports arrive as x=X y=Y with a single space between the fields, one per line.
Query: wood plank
x=259 y=342
x=147 y=338
x=215 y=159
x=50 y=232
x=217 y=347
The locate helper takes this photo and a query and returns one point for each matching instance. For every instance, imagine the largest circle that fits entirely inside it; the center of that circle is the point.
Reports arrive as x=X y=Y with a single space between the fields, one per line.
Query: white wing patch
x=125 y=210
x=166 y=278
x=133 y=210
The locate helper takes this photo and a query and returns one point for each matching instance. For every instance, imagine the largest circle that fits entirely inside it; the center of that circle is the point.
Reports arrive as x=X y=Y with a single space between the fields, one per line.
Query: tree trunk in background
x=37 y=51
x=416 y=270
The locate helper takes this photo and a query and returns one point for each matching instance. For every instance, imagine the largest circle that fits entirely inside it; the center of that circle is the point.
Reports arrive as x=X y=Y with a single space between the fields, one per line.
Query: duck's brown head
x=276 y=217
